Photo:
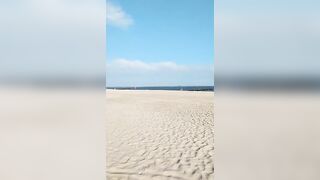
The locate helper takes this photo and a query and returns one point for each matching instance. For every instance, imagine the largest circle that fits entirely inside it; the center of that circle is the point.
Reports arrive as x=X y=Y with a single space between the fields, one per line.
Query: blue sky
x=159 y=42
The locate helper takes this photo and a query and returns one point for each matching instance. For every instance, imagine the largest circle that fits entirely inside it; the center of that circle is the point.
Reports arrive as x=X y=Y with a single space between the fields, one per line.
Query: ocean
x=169 y=88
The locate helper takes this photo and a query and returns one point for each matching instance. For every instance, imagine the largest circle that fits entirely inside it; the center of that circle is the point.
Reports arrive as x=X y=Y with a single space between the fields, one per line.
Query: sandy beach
x=52 y=133
x=159 y=135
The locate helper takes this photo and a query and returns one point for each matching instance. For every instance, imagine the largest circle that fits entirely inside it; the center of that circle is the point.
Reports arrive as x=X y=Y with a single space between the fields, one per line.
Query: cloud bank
x=138 y=65
x=116 y=16
x=126 y=72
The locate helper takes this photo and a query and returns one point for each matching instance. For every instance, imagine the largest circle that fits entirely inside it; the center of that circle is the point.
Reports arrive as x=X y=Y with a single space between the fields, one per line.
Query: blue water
x=170 y=88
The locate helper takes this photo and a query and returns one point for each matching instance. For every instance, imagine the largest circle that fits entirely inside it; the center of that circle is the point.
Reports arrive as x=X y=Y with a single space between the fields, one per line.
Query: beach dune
x=159 y=134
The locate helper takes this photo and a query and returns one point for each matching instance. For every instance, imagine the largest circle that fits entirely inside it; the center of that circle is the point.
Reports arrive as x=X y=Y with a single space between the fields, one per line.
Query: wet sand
x=159 y=135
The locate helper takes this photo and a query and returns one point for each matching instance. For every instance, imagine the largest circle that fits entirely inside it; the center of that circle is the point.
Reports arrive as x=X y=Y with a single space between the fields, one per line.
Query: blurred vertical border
x=52 y=89
x=267 y=90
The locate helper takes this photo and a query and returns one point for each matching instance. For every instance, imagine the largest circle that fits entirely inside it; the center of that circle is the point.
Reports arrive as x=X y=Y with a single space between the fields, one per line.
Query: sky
x=52 y=38
x=268 y=39
x=159 y=43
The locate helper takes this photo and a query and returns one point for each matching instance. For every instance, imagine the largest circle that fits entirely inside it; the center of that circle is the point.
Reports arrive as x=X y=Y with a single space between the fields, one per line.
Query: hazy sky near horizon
x=52 y=38
x=267 y=38
x=159 y=42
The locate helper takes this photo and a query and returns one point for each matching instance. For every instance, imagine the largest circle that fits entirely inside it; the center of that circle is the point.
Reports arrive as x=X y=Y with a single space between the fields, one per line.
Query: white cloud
x=124 y=72
x=117 y=16
x=143 y=66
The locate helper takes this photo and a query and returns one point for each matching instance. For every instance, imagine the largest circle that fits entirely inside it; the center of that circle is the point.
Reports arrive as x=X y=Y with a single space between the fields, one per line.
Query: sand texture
x=159 y=135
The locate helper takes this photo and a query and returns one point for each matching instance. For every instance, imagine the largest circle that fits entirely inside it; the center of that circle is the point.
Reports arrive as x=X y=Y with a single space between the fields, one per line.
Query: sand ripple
x=159 y=135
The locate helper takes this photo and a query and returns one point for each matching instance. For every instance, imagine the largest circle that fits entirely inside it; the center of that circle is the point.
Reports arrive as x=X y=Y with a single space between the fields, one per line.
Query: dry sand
x=159 y=135
x=52 y=133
